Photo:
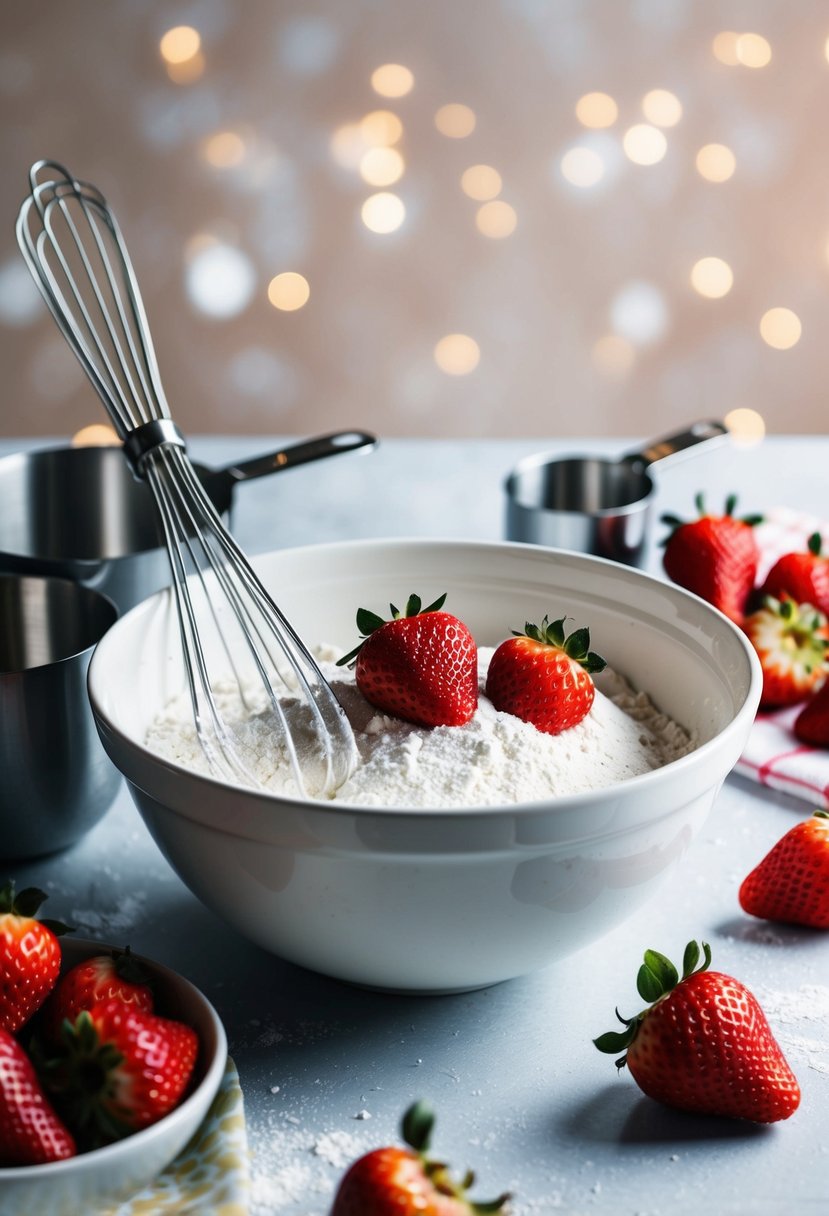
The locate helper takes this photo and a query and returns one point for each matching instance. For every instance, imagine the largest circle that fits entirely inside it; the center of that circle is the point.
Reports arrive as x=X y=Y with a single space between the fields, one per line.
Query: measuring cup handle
x=300 y=453
x=673 y=445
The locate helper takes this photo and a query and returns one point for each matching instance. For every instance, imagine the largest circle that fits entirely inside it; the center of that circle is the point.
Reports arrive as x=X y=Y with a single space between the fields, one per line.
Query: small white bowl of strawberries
x=108 y=1065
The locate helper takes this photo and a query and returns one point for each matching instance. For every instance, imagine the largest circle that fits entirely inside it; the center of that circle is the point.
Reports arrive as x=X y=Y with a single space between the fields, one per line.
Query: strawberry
x=422 y=665
x=803 y=577
x=715 y=556
x=405 y=1182
x=30 y=1131
x=118 y=1070
x=29 y=955
x=791 y=883
x=703 y=1044
x=811 y=726
x=115 y=976
x=544 y=678
x=792 y=651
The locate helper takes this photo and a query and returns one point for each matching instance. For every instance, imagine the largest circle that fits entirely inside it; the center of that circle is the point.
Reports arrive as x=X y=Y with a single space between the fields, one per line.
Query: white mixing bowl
x=439 y=900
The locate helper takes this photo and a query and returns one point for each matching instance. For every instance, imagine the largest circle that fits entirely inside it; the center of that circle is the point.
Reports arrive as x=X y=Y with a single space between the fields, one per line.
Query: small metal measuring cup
x=591 y=504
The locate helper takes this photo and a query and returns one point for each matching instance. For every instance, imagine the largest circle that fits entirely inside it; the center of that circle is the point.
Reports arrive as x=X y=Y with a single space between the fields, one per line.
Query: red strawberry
x=29 y=955
x=30 y=1131
x=119 y=1070
x=115 y=976
x=422 y=665
x=544 y=678
x=803 y=577
x=404 y=1182
x=704 y=1044
x=811 y=725
x=715 y=556
x=791 y=883
x=792 y=651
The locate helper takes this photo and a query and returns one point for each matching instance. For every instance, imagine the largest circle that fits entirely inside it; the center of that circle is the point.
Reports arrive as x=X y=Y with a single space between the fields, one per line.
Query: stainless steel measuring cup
x=79 y=513
x=591 y=504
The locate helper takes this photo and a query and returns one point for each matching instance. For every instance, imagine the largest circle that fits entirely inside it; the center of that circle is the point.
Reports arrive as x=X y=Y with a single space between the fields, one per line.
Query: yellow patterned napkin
x=211 y=1173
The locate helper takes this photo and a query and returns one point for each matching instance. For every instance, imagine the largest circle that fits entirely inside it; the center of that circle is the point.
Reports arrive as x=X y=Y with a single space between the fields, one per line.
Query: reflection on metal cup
x=57 y=780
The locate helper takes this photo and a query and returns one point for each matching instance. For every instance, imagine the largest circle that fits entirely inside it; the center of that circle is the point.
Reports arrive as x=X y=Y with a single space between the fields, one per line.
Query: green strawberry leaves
x=656 y=977
x=369 y=622
x=26 y=903
x=576 y=646
x=416 y=1128
x=674 y=521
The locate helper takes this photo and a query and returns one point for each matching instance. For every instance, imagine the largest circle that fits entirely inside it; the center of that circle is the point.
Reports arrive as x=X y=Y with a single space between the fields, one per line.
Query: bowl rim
x=111 y=1155
x=567 y=802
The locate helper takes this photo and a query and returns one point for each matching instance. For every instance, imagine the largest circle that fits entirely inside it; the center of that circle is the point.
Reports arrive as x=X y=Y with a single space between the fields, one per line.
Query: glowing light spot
x=662 y=108
x=613 y=356
x=348 y=146
x=381 y=166
x=224 y=150
x=639 y=314
x=456 y=121
x=716 y=162
x=187 y=72
x=220 y=280
x=597 y=110
x=457 y=354
x=96 y=435
x=392 y=80
x=746 y=426
x=724 y=47
x=582 y=167
x=383 y=212
x=288 y=291
x=180 y=44
x=496 y=219
x=380 y=128
x=481 y=182
x=780 y=328
x=644 y=144
x=20 y=300
x=712 y=277
x=753 y=51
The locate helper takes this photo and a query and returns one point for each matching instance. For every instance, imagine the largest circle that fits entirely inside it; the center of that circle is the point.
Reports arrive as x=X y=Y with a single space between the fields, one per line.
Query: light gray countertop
x=521 y=1094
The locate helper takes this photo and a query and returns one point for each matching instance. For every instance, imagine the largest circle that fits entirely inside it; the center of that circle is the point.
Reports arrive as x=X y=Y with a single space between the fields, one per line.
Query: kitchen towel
x=773 y=756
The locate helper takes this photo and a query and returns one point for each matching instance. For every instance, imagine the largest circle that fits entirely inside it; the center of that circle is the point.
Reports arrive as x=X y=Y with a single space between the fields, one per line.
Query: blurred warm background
x=437 y=217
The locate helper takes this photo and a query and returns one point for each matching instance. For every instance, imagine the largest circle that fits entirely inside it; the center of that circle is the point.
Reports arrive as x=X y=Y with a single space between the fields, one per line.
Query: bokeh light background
x=437 y=217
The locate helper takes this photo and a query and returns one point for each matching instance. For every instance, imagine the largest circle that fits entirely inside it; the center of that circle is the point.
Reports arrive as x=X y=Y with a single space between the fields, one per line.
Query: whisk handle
x=146 y=438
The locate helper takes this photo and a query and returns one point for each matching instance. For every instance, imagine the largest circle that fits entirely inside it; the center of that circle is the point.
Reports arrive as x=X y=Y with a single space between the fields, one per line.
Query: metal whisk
x=76 y=253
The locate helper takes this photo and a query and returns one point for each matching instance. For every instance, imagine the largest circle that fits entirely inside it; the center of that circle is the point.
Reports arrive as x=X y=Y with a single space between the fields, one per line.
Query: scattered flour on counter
x=494 y=759
x=130 y=912
x=799 y=1019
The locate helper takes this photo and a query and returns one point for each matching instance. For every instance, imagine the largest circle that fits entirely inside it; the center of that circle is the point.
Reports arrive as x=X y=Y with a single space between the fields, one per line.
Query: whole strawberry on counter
x=791 y=646
x=29 y=955
x=422 y=665
x=405 y=1182
x=119 y=1070
x=703 y=1044
x=543 y=677
x=803 y=577
x=791 y=883
x=715 y=556
x=115 y=976
x=30 y=1131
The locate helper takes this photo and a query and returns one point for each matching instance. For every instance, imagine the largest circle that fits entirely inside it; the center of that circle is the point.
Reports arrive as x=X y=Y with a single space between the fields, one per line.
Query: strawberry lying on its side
x=115 y=976
x=803 y=577
x=544 y=678
x=421 y=666
x=704 y=1044
x=30 y=1131
x=29 y=955
x=789 y=641
x=119 y=1070
x=791 y=883
x=715 y=556
x=404 y=1182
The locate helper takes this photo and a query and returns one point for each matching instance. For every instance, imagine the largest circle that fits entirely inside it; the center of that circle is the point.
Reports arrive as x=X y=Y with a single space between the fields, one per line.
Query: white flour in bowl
x=494 y=759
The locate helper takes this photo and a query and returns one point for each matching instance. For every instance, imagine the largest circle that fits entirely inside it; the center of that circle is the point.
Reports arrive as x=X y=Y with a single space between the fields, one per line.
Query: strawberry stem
x=369 y=622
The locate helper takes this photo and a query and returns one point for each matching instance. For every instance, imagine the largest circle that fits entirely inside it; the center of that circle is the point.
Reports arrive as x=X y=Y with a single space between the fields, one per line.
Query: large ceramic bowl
x=439 y=900
x=105 y=1177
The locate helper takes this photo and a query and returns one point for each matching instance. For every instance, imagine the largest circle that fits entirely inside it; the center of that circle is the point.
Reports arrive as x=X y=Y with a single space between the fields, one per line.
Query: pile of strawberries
x=786 y=618
x=84 y=1060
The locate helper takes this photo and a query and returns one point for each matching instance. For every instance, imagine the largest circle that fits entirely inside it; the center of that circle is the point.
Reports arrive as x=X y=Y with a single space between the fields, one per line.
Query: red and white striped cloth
x=773 y=756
